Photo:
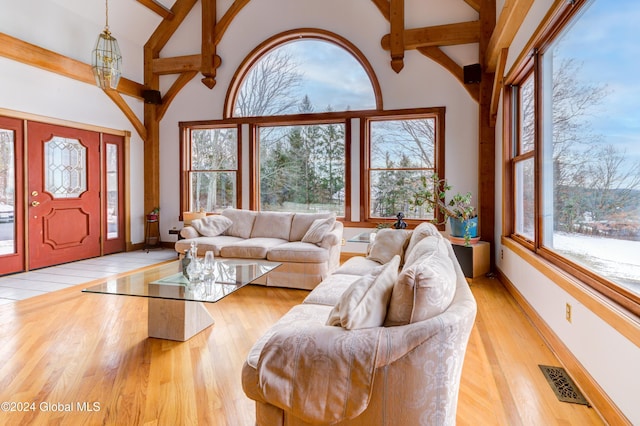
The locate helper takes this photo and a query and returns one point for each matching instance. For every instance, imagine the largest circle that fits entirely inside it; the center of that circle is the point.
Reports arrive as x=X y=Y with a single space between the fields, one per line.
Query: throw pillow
x=425 y=229
x=425 y=246
x=364 y=303
x=387 y=244
x=211 y=226
x=318 y=229
x=423 y=290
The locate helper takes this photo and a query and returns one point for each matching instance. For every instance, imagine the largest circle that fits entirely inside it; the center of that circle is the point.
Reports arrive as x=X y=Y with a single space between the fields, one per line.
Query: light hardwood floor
x=67 y=351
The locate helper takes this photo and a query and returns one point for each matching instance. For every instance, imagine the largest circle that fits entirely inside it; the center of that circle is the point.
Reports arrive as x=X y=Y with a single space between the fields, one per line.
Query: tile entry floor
x=33 y=283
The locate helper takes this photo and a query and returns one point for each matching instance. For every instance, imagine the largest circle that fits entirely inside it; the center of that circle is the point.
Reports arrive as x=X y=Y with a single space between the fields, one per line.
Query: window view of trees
x=402 y=151
x=590 y=177
x=302 y=168
x=214 y=168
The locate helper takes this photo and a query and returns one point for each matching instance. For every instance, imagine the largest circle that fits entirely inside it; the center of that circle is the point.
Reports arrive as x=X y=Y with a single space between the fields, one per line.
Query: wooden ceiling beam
x=227 y=18
x=498 y=83
x=30 y=54
x=128 y=112
x=475 y=4
x=396 y=35
x=509 y=22
x=157 y=8
x=438 y=35
x=208 y=49
x=384 y=7
x=437 y=55
x=168 y=27
x=173 y=91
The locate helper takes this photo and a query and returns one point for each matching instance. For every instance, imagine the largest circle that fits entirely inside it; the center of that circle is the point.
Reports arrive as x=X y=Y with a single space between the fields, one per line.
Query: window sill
x=613 y=314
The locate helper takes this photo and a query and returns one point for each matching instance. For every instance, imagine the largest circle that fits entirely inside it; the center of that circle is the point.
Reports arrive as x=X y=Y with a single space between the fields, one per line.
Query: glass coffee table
x=176 y=309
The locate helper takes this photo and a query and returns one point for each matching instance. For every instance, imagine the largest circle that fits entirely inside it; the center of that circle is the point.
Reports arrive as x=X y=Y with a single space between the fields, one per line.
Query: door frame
x=25 y=117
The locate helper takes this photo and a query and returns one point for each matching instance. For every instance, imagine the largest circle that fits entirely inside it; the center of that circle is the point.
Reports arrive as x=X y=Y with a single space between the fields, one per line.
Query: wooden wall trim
x=59 y=122
x=598 y=398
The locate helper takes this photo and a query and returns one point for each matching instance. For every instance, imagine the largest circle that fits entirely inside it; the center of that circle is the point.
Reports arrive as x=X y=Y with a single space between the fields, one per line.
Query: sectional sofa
x=381 y=341
x=307 y=244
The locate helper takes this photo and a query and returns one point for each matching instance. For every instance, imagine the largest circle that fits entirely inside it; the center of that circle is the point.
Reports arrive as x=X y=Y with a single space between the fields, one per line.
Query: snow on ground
x=618 y=260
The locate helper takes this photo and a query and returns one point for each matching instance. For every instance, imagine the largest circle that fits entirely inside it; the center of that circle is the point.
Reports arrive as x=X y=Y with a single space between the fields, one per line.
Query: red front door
x=63 y=194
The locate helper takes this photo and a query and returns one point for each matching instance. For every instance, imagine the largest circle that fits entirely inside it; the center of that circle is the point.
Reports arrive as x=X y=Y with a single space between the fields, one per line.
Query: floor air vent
x=562 y=385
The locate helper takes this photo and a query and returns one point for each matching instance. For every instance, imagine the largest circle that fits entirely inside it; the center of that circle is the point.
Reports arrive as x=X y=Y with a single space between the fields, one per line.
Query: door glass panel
x=113 y=219
x=65 y=167
x=7 y=192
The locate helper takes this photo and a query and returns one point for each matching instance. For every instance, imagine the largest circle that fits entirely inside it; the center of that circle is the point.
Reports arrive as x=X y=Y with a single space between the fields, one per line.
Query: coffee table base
x=177 y=319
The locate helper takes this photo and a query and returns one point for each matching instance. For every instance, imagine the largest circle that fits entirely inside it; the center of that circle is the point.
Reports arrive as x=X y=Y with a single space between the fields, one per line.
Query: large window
x=582 y=162
x=302 y=167
x=210 y=168
x=403 y=151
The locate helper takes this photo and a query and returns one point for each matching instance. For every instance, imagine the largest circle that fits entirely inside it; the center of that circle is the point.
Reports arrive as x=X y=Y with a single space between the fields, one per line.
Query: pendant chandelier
x=106 y=60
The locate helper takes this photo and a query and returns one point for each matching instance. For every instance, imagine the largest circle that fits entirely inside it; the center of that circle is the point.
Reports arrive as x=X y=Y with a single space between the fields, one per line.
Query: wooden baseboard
x=596 y=396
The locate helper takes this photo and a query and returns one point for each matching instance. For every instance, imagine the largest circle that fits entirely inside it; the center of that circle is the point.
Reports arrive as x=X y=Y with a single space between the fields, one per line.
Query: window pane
x=294 y=78
x=213 y=191
x=392 y=192
x=7 y=192
x=526 y=123
x=411 y=142
x=112 y=190
x=214 y=149
x=65 y=167
x=525 y=212
x=302 y=168
x=593 y=212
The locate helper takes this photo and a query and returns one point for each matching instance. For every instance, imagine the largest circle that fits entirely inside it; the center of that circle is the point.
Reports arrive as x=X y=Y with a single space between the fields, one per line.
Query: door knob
x=35 y=203
x=34 y=193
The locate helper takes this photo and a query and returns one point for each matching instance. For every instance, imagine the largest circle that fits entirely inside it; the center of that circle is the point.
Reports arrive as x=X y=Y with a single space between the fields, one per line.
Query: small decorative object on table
x=400 y=224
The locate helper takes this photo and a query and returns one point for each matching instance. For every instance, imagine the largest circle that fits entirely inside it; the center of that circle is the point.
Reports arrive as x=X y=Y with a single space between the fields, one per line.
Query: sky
x=607 y=42
x=331 y=76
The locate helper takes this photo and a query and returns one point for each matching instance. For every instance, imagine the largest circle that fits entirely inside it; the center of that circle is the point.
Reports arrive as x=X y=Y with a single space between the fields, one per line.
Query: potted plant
x=457 y=207
x=153 y=215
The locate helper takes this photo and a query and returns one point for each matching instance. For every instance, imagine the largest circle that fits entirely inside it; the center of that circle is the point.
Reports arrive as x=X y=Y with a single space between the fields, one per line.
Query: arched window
x=303 y=71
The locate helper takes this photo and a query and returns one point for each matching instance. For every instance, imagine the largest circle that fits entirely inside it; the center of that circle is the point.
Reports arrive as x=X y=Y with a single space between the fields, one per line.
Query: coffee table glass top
x=167 y=282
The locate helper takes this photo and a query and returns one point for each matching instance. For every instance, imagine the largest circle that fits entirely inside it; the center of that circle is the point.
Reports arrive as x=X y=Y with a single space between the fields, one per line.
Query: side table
x=151 y=233
x=474 y=259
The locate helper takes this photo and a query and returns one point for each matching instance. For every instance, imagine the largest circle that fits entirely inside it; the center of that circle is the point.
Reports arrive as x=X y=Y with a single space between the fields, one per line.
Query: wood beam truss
x=157 y=8
x=438 y=35
x=511 y=18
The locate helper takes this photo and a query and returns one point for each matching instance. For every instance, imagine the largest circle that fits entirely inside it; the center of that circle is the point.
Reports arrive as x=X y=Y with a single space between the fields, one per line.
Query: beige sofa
x=394 y=353
x=307 y=245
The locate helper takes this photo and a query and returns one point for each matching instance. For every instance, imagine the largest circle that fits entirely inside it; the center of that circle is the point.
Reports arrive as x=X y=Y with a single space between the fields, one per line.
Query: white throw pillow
x=364 y=303
x=318 y=229
x=212 y=226
x=388 y=243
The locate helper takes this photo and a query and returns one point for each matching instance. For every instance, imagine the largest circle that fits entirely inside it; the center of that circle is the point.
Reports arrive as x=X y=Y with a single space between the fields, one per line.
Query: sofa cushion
x=207 y=243
x=357 y=265
x=242 y=222
x=299 y=252
x=425 y=229
x=364 y=303
x=425 y=246
x=318 y=229
x=252 y=248
x=301 y=316
x=211 y=226
x=272 y=225
x=387 y=244
x=329 y=291
x=424 y=289
x=301 y=223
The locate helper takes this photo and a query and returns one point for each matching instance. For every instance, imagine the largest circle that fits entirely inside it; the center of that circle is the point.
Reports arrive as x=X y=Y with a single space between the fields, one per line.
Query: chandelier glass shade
x=106 y=60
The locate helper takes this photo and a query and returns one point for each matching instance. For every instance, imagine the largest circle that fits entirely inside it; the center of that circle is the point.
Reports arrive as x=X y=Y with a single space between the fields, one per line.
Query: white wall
x=31 y=90
x=609 y=357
